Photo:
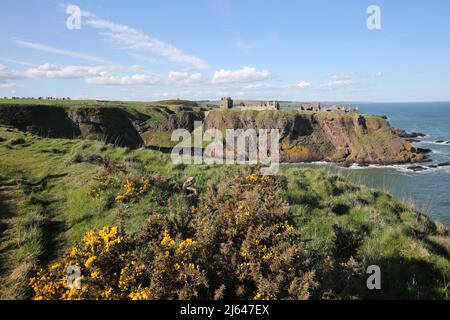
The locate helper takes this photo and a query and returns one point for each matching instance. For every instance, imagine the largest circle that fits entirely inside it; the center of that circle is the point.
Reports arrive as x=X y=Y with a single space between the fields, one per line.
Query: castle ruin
x=227 y=103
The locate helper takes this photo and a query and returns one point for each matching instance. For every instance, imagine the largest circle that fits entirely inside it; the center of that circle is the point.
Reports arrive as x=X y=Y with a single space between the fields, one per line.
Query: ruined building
x=226 y=103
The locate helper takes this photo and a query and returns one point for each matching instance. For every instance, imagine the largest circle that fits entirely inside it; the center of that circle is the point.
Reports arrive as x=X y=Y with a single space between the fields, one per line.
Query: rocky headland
x=305 y=136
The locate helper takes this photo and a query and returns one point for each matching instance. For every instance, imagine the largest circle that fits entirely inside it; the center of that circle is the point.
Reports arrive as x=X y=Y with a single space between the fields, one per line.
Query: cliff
x=333 y=136
x=112 y=125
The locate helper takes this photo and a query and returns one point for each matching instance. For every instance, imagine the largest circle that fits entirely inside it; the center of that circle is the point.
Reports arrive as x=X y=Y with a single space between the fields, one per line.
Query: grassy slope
x=55 y=208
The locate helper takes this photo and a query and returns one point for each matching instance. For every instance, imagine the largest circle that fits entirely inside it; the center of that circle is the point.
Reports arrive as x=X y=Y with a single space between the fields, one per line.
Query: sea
x=428 y=190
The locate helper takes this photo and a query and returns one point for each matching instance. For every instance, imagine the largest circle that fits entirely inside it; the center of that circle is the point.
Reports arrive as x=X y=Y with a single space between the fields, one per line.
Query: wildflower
x=55 y=266
x=253 y=178
x=268 y=256
x=75 y=251
x=107 y=293
x=263 y=296
x=90 y=261
x=167 y=240
x=144 y=188
x=184 y=246
x=143 y=294
x=120 y=198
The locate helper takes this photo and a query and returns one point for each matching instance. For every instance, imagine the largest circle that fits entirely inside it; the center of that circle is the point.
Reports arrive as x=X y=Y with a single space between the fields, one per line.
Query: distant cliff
x=112 y=125
x=333 y=136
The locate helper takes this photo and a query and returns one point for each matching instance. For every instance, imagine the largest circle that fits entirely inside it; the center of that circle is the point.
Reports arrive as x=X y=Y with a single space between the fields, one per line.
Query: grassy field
x=55 y=190
x=101 y=103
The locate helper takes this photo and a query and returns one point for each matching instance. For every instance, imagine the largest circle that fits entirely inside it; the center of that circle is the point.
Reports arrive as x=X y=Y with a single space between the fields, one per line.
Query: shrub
x=237 y=241
x=108 y=268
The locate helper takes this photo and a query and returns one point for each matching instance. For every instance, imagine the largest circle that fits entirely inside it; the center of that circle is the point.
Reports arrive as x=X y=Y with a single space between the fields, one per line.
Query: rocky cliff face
x=333 y=136
x=112 y=125
x=324 y=136
x=45 y=121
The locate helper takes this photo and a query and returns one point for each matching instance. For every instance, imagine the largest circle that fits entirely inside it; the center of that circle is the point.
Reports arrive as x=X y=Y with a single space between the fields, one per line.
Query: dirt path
x=9 y=196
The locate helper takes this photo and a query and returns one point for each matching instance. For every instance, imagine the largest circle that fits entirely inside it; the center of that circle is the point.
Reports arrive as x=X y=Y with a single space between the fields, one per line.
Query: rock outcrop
x=108 y=124
x=112 y=125
x=46 y=121
x=333 y=136
x=324 y=136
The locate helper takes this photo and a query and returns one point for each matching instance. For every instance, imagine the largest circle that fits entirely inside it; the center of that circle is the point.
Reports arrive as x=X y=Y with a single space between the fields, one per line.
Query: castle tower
x=226 y=103
x=273 y=105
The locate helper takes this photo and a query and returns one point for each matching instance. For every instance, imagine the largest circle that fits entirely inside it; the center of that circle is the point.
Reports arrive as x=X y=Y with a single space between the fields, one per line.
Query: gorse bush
x=251 y=249
x=237 y=242
x=109 y=270
x=241 y=239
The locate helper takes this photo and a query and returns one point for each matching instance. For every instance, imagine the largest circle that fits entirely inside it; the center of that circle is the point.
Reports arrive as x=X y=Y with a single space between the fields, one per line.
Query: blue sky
x=205 y=49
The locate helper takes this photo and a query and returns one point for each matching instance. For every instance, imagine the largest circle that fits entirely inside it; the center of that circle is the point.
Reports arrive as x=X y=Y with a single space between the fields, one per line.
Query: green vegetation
x=175 y=104
x=63 y=188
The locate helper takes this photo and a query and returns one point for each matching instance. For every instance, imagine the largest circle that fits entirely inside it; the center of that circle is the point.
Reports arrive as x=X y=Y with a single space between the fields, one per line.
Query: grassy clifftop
x=59 y=189
x=334 y=136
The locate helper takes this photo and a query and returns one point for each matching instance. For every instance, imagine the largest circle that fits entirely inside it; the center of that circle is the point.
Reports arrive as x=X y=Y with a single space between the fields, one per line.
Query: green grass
x=56 y=209
x=175 y=104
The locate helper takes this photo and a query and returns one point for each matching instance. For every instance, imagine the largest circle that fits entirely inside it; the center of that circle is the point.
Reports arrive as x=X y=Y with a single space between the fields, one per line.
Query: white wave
x=434 y=142
x=403 y=168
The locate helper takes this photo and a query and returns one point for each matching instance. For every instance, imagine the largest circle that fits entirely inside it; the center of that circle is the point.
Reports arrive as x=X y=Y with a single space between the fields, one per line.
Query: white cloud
x=129 y=38
x=7 y=85
x=52 y=71
x=260 y=86
x=246 y=74
x=44 y=48
x=137 y=67
x=5 y=74
x=302 y=85
x=341 y=76
x=22 y=63
x=99 y=75
x=185 y=77
x=340 y=80
x=377 y=74
x=273 y=87
x=128 y=80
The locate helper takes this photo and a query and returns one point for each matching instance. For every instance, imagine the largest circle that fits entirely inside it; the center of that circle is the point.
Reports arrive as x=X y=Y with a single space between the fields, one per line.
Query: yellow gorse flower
x=90 y=261
x=253 y=178
x=121 y=282
x=184 y=246
x=133 y=189
x=263 y=296
x=142 y=294
x=167 y=240
x=104 y=240
x=242 y=214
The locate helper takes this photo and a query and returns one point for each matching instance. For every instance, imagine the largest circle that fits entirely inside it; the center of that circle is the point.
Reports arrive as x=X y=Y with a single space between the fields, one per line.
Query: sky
x=204 y=49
